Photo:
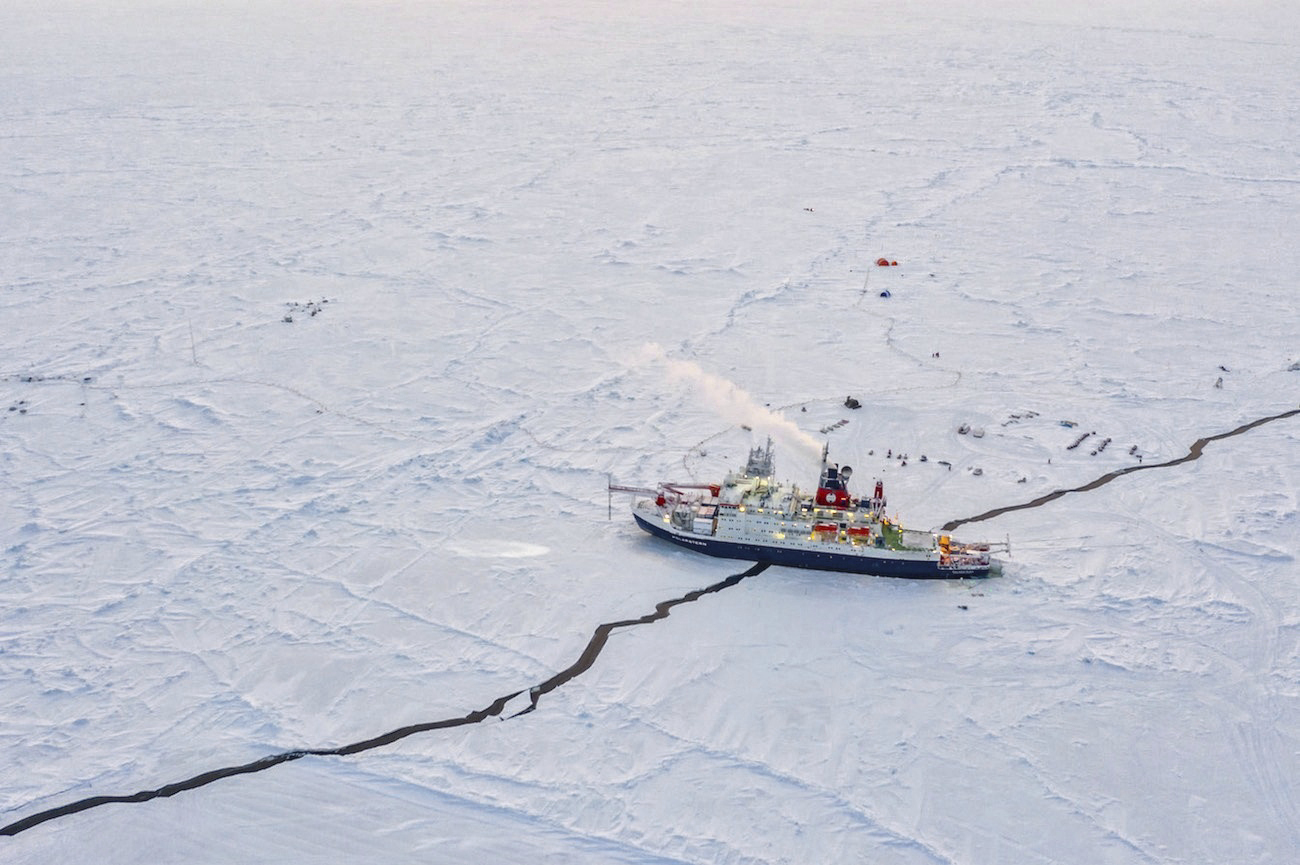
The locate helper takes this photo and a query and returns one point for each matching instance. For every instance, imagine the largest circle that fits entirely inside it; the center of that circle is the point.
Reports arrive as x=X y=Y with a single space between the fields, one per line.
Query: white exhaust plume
x=734 y=404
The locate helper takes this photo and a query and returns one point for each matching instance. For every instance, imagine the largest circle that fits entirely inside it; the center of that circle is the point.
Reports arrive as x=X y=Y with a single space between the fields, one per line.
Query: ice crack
x=588 y=657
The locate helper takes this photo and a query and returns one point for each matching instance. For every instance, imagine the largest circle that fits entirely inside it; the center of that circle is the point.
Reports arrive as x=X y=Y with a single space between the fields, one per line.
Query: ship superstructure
x=750 y=515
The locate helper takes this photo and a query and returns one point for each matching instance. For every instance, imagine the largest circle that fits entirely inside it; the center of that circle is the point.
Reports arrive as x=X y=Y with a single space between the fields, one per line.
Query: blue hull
x=823 y=561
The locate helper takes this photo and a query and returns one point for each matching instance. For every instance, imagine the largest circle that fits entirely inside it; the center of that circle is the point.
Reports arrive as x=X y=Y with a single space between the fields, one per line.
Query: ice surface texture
x=225 y=535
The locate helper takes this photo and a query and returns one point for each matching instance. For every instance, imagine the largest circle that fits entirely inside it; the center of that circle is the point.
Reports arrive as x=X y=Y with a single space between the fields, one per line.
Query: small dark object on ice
x=311 y=307
x=850 y=402
x=1078 y=441
x=885 y=293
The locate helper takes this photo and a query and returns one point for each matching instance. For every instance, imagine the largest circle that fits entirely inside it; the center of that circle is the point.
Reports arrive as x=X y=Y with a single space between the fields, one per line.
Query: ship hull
x=874 y=565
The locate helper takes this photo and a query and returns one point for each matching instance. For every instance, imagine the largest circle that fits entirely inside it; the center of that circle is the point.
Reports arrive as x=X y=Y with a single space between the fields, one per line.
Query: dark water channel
x=600 y=636
x=1193 y=453
x=494 y=709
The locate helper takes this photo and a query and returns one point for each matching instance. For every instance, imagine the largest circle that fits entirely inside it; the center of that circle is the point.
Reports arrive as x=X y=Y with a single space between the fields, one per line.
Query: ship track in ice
x=599 y=637
x=1193 y=453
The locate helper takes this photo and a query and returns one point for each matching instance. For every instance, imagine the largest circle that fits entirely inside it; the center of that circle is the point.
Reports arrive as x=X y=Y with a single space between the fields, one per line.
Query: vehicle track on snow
x=599 y=638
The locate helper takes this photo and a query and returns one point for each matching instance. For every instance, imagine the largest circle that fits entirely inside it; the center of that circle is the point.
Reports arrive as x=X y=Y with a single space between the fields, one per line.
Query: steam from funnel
x=736 y=405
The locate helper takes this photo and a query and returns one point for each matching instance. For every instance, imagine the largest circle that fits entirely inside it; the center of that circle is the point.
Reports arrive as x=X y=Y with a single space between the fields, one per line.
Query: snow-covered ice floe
x=316 y=329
